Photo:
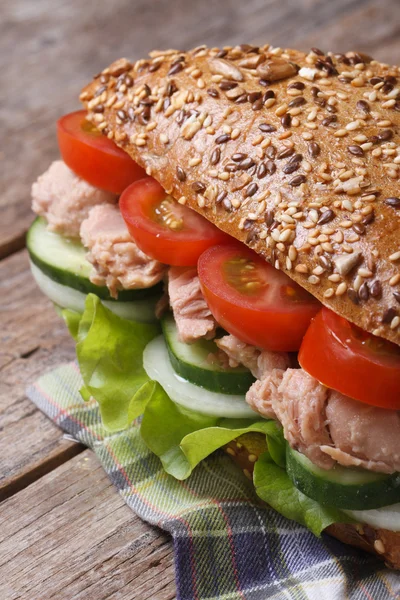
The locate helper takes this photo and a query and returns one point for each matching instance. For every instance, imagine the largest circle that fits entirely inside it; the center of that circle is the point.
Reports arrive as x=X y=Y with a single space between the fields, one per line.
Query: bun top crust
x=297 y=155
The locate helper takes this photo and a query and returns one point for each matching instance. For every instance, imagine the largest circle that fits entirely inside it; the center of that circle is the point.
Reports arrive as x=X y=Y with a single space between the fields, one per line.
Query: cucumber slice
x=158 y=367
x=64 y=261
x=387 y=517
x=342 y=487
x=190 y=362
x=139 y=310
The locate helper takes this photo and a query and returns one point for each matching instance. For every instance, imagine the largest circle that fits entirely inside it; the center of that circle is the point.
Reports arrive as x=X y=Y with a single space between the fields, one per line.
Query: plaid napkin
x=227 y=545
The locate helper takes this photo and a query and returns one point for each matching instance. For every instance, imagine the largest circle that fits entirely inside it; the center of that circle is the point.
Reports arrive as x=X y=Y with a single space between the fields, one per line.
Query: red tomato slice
x=344 y=357
x=254 y=301
x=94 y=157
x=164 y=229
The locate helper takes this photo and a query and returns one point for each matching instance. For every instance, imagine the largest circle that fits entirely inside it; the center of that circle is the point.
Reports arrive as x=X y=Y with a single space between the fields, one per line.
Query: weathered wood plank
x=70 y=535
x=60 y=48
x=33 y=339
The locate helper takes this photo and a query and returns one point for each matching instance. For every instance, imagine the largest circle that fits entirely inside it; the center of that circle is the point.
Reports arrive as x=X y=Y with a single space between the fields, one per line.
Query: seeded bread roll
x=297 y=155
x=386 y=544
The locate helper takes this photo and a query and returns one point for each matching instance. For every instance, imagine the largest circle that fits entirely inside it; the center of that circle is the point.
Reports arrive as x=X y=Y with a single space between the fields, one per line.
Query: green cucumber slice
x=190 y=362
x=157 y=365
x=142 y=310
x=64 y=261
x=342 y=487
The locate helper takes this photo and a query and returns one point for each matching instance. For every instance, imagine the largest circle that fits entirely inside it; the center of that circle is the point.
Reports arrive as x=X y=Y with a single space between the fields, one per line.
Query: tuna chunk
x=117 y=261
x=299 y=404
x=192 y=315
x=263 y=394
x=326 y=426
x=239 y=353
x=65 y=199
x=260 y=362
x=362 y=435
x=266 y=366
x=269 y=361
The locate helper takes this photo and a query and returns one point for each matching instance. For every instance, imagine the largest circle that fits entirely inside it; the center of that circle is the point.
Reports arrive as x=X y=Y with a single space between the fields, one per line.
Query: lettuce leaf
x=182 y=438
x=274 y=487
x=109 y=351
x=72 y=320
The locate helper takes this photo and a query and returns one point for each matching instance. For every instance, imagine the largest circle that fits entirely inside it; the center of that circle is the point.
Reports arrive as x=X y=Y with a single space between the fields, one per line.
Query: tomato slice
x=163 y=228
x=94 y=157
x=254 y=301
x=344 y=357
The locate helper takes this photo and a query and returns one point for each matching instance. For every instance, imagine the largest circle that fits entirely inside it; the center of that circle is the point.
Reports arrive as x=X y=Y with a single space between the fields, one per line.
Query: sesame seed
x=269 y=103
x=286 y=235
x=175 y=68
x=198 y=187
x=389 y=315
x=297 y=180
x=222 y=139
x=180 y=173
x=213 y=93
x=284 y=153
x=394 y=202
x=301 y=268
x=267 y=128
x=251 y=190
x=313 y=279
x=215 y=156
x=376 y=289
x=341 y=289
x=257 y=140
x=356 y=150
x=281 y=110
x=326 y=216
x=246 y=163
x=395 y=256
x=394 y=280
x=384 y=123
x=363 y=292
x=224 y=176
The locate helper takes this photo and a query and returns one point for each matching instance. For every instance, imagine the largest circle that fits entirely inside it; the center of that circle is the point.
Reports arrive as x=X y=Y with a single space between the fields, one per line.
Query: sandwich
x=222 y=238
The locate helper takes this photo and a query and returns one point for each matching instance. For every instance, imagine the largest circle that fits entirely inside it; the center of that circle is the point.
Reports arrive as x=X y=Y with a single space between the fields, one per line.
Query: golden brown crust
x=386 y=544
x=316 y=190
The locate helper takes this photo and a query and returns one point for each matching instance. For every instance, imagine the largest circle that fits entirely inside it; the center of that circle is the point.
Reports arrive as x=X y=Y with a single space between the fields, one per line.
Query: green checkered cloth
x=228 y=545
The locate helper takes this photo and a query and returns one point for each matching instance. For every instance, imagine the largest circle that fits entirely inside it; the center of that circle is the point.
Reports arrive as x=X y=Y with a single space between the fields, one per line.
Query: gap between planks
x=70 y=535
x=33 y=340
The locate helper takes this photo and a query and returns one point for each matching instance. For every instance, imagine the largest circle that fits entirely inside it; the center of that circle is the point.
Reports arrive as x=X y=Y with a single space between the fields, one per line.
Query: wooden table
x=65 y=533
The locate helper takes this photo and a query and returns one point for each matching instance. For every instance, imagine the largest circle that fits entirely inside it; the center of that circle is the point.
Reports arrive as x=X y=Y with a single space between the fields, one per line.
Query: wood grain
x=33 y=339
x=56 y=49
x=70 y=535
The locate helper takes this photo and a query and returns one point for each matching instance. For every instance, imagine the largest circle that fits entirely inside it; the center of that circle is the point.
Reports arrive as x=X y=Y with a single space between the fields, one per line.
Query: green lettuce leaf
x=72 y=320
x=182 y=438
x=109 y=351
x=275 y=488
